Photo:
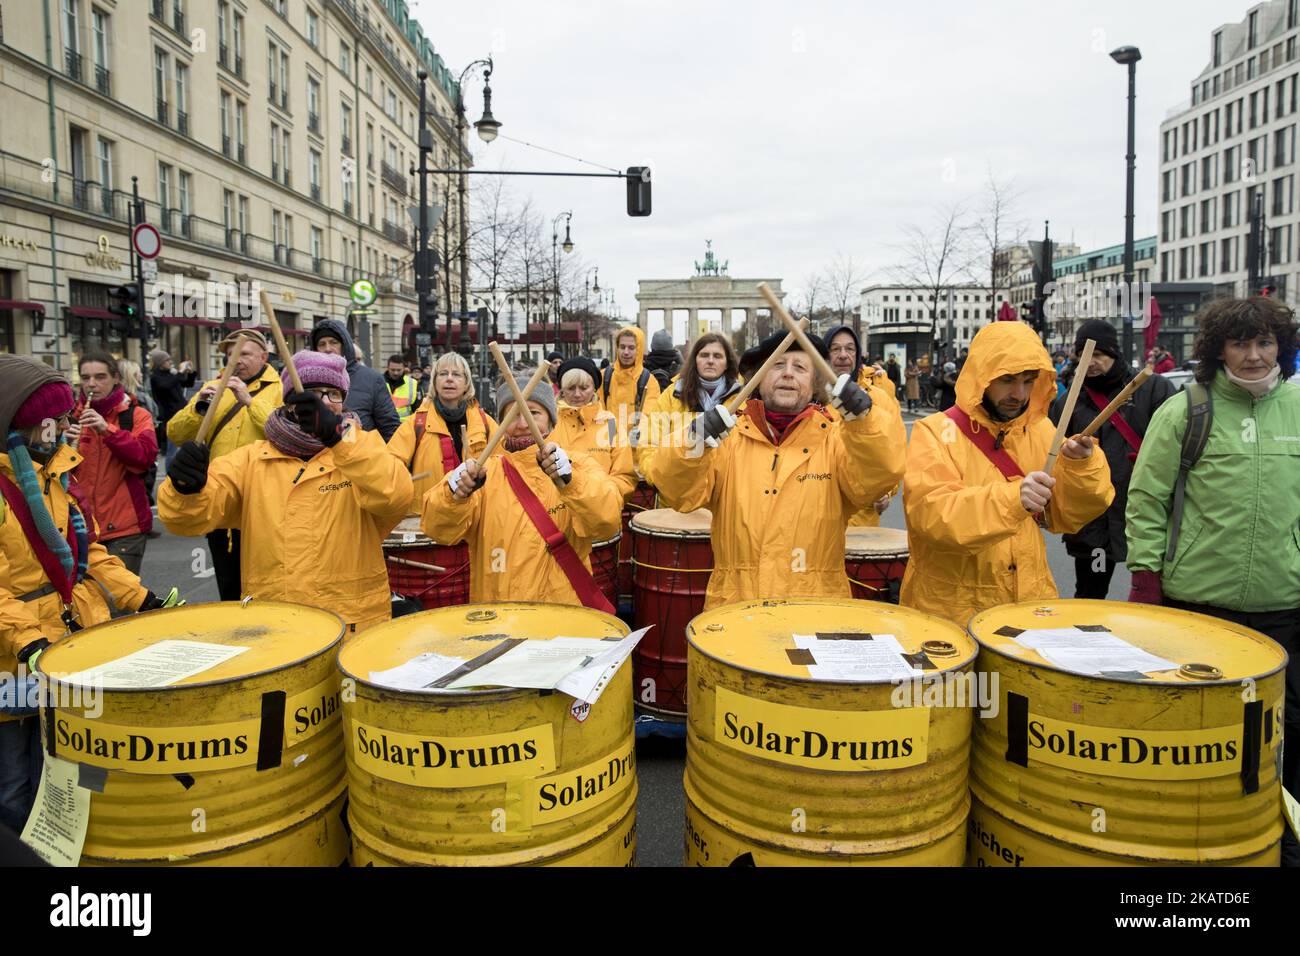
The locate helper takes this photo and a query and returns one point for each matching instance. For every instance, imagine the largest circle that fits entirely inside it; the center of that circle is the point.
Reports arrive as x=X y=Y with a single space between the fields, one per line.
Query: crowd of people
x=295 y=491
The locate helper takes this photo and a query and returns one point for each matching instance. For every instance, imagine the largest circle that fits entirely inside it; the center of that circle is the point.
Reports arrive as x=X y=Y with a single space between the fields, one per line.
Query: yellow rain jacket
x=868 y=517
x=479 y=427
x=779 y=513
x=22 y=622
x=244 y=429
x=507 y=556
x=621 y=396
x=973 y=545
x=313 y=531
x=592 y=431
x=669 y=416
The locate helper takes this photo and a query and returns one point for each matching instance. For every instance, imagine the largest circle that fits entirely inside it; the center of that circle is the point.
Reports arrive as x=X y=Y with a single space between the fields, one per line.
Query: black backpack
x=642 y=381
x=1200 y=415
x=125 y=421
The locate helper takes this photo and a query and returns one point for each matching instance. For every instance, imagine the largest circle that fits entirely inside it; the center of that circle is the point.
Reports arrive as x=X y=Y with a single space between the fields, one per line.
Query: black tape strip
x=270 y=742
x=1268 y=726
x=484 y=658
x=1009 y=631
x=1251 y=731
x=91 y=778
x=1017 y=729
x=49 y=731
x=842 y=636
x=1092 y=627
x=922 y=660
x=801 y=655
x=1124 y=675
x=185 y=779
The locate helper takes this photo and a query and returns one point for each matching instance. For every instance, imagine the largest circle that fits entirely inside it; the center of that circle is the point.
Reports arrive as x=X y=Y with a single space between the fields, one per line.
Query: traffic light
x=429 y=320
x=124 y=300
x=1268 y=290
x=638 y=190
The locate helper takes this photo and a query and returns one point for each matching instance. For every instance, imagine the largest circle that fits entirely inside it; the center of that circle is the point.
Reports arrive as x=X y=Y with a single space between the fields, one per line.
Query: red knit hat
x=49 y=401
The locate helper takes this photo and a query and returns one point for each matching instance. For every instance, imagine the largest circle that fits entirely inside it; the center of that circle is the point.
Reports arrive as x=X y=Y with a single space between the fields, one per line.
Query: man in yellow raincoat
x=783 y=487
x=585 y=427
x=495 y=507
x=251 y=395
x=627 y=388
x=51 y=568
x=315 y=500
x=974 y=492
x=430 y=439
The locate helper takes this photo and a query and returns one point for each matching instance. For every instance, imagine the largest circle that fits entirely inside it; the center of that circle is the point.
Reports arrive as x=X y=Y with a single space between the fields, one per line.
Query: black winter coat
x=168 y=389
x=1107 y=530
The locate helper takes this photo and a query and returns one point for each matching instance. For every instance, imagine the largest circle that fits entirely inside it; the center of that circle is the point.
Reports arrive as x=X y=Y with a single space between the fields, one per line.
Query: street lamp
x=586 y=300
x=567 y=246
x=487 y=131
x=1129 y=56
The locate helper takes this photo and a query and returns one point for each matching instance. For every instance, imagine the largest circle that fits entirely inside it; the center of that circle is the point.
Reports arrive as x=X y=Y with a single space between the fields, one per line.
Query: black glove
x=189 y=469
x=315 y=418
x=850 y=398
x=151 y=602
x=30 y=651
x=714 y=425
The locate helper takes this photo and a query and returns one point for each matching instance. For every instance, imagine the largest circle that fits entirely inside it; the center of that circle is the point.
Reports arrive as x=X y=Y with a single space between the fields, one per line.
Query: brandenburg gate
x=710 y=290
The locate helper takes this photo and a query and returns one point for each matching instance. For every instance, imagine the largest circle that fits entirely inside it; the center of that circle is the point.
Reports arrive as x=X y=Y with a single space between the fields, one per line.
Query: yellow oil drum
x=491 y=776
x=1173 y=765
x=236 y=763
x=790 y=763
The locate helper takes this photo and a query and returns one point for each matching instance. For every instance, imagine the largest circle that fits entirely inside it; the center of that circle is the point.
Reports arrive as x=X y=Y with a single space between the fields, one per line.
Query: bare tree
x=498 y=227
x=531 y=264
x=843 y=280
x=999 y=233
x=933 y=255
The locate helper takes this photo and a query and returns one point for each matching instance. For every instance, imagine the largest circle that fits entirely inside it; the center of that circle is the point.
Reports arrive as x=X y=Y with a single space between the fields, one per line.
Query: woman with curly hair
x=1236 y=555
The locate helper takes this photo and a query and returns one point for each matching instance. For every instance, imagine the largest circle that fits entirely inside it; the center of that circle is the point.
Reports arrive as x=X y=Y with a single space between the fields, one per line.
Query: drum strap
x=449 y=457
x=580 y=579
x=1121 y=424
x=983 y=440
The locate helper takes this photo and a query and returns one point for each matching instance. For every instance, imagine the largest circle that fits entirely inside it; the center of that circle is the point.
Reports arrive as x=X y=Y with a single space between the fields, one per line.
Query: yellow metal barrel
x=789 y=764
x=239 y=762
x=492 y=776
x=1165 y=761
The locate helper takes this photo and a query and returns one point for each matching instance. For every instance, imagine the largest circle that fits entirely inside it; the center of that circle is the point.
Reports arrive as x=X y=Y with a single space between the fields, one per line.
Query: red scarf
x=779 y=422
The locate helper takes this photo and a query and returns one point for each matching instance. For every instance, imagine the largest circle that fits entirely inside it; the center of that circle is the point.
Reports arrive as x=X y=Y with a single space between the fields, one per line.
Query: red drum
x=875 y=560
x=673 y=559
x=641 y=499
x=604 y=567
x=430 y=588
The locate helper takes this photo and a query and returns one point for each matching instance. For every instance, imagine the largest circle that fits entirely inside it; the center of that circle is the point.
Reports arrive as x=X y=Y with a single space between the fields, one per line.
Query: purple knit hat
x=317 y=369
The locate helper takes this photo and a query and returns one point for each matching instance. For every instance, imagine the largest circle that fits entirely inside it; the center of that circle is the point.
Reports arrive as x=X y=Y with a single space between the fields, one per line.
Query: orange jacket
x=109 y=475
x=973 y=545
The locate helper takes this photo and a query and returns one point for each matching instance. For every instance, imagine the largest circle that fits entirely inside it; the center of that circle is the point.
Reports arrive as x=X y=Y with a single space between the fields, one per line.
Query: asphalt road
x=183 y=562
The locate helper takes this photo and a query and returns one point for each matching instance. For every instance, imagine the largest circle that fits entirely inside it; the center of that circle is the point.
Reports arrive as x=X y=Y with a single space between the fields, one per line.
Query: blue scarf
x=21 y=460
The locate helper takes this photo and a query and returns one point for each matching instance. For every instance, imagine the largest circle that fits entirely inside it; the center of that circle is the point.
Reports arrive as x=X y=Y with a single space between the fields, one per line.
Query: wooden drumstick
x=1080 y=372
x=268 y=313
x=504 y=368
x=416 y=564
x=509 y=418
x=232 y=356
x=822 y=366
x=421 y=475
x=740 y=397
x=1117 y=401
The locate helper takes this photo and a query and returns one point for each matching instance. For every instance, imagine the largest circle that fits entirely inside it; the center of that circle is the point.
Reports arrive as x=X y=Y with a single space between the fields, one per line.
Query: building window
x=275 y=152
x=165 y=196
x=313 y=27
x=313 y=106
x=239 y=45
x=160 y=72
x=314 y=174
x=182 y=98
x=370 y=81
x=101 y=42
x=1207 y=258
x=345 y=59
x=316 y=258
x=241 y=129
x=186 y=192
x=1252 y=22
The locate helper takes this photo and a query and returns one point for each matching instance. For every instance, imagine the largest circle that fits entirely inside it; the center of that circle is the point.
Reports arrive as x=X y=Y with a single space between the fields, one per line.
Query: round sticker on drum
x=408 y=537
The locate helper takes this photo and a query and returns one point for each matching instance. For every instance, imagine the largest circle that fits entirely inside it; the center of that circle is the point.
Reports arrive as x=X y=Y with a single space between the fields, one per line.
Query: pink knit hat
x=317 y=369
x=49 y=401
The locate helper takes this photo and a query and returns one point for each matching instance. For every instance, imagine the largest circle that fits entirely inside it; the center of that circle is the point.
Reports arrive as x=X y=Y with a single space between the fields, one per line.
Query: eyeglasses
x=333 y=394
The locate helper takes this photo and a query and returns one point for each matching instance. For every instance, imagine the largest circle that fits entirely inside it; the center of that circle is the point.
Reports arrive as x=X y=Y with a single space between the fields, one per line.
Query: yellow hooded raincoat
x=868 y=517
x=313 y=531
x=508 y=557
x=247 y=425
x=779 y=513
x=592 y=431
x=479 y=427
x=622 y=385
x=22 y=622
x=973 y=545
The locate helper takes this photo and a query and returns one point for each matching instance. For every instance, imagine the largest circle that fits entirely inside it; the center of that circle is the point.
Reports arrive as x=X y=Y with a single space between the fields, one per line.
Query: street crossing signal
x=638 y=190
x=124 y=300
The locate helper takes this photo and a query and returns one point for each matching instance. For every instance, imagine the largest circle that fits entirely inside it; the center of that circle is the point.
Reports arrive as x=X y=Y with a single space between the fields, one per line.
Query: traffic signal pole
x=137 y=266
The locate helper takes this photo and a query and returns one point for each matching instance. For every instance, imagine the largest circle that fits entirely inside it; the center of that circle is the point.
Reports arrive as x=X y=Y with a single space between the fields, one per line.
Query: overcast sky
x=787 y=133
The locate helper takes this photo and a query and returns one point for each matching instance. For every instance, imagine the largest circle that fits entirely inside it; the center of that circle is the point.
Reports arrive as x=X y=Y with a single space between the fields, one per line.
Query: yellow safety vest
x=404 y=397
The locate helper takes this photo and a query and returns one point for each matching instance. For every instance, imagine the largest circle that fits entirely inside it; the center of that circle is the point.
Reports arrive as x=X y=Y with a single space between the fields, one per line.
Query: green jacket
x=1239 y=547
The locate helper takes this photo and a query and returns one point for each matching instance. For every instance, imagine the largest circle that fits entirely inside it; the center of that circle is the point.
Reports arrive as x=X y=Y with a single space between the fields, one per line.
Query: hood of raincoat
x=635 y=371
x=1006 y=348
x=338 y=330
